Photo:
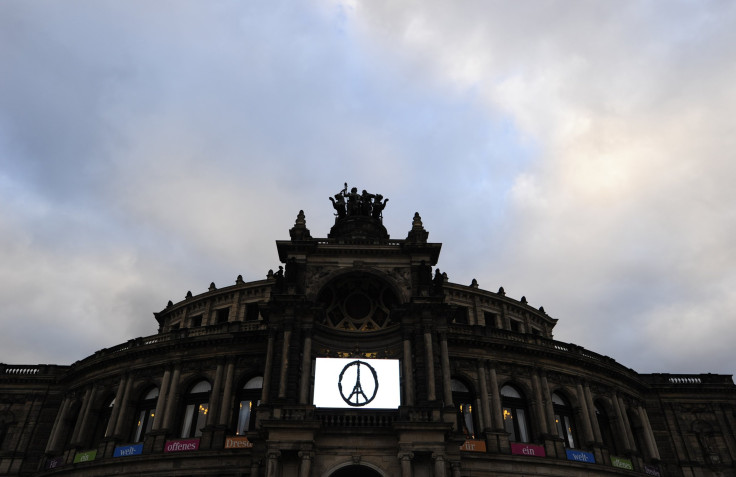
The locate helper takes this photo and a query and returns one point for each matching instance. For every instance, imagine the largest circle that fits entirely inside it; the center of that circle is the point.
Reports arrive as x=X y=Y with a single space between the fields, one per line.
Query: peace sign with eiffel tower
x=357 y=397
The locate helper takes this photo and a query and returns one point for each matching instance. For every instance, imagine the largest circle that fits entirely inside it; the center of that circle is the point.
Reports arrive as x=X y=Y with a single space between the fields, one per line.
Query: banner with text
x=235 y=442
x=652 y=470
x=87 y=456
x=182 y=445
x=621 y=463
x=125 y=451
x=473 y=446
x=527 y=449
x=580 y=456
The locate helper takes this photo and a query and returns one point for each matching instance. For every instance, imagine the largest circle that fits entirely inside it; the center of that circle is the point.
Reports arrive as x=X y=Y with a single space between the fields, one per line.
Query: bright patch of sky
x=575 y=153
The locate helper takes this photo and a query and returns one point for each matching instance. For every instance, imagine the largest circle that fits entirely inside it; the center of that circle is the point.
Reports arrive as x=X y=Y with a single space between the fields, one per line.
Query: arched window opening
x=103 y=419
x=637 y=430
x=564 y=420
x=145 y=414
x=355 y=471
x=464 y=399
x=196 y=405
x=604 y=424
x=514 y=414
x=248 y=399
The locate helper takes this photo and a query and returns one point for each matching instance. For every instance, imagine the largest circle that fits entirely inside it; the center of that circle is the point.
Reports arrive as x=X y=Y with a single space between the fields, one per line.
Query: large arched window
x=463 y=399
x=145 y=413
x=247 y=400
x=564 y=420
x=604 y=424
x=514 y=414
x=196 y=404
x=103 y=420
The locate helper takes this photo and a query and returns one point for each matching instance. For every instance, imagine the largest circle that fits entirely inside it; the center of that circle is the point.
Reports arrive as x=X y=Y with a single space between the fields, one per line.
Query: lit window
x=564 y=420
x=145 y=414
x=514 y=414
x=248 y=399
x=196 y=406
x=463 y=399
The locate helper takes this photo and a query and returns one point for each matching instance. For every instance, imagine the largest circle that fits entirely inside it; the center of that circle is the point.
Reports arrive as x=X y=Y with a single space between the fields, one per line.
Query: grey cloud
x=571 y=155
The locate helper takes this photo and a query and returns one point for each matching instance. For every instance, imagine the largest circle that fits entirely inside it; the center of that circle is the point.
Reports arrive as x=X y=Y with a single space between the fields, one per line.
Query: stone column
x=484 y=404
x=446 y=377
x=626 y=423
x=408 y=375
x=593 y=415
x=80 y=416
x=305 y=463
x=215 y=396
x=171 y=399
x=272 y=463
x=439 y=465
x=52 y=445
x=306 y=369
x=497 y=414
x=429 y=356
x=727 y=425
x=648 y=434
x=584 y=414
x=267 y=370
x=455 y=469
x=116 y=407
x=83 y=435
x=549 y=407
x=405 y=458
x=124 y=404
x=227 y=407
x=284 y=363
x=539 y=404
x=623 y=435
x=161 y=401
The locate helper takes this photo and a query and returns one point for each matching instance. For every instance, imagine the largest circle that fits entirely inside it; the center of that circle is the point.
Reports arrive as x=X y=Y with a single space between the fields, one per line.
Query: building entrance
x=355 y=471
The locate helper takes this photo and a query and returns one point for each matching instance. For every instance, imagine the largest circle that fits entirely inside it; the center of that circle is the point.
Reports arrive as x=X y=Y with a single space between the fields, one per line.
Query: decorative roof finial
x=300 y=231
x=417 y=234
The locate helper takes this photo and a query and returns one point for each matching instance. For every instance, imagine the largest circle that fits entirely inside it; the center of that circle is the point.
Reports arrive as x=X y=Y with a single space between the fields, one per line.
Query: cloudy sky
x=578 y=153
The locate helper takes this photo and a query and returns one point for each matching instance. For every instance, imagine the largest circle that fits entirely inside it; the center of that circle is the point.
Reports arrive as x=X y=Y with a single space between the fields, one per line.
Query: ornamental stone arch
x=351 y=469
x=567 y=394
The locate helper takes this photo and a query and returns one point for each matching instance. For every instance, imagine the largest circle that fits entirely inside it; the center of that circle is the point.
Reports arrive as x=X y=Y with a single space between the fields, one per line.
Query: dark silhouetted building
x=358 y=357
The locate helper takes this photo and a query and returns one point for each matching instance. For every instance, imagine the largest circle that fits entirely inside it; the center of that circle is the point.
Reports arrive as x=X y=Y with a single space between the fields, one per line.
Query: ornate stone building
x=358 y=358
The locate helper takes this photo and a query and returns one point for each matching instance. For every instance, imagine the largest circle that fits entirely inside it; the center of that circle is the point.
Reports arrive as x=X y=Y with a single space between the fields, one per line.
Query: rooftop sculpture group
x=352 y=204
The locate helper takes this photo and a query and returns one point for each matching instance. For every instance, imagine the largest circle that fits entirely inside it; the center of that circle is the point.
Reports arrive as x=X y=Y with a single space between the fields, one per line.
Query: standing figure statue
x=339 y=204
x=365 y=203
x=378 y=207
x=354 y=202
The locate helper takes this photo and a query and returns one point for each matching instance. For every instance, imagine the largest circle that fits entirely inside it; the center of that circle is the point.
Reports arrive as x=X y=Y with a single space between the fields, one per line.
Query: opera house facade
x=358 y=357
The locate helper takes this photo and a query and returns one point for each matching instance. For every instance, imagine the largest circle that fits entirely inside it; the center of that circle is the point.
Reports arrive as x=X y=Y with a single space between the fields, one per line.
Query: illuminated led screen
x=357 y=383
